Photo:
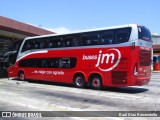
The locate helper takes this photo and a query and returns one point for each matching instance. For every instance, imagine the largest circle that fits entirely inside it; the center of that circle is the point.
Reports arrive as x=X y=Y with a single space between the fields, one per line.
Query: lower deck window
x=48 y=63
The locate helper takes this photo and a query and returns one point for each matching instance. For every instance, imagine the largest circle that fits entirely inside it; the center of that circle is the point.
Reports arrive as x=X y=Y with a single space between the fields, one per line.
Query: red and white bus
x=111 y=56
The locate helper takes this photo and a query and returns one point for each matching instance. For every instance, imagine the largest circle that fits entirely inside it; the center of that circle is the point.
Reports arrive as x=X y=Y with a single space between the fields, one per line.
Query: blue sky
x=72 y=15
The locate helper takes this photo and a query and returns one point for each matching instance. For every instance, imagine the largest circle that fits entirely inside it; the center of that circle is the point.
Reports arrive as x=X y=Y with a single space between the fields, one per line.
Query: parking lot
x=45 y=96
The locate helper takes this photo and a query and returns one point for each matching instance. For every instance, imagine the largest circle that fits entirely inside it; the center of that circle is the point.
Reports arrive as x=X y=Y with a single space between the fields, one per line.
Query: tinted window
x=53 y=63
x=43 y=63
x=68 y=41
x=144 y=33
x=28 y=63
x=43 y=43
x=107 y=37
x=55 y=42
x=36 y=44
x=90 y=39
x=64 y=63
x=48 y=63
x=76 y=40
x=104 y=37
x=28 y=45
x=122 y=35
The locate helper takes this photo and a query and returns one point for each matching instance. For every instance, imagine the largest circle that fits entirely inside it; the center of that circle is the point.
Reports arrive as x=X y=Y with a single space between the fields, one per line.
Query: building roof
x=10 y=28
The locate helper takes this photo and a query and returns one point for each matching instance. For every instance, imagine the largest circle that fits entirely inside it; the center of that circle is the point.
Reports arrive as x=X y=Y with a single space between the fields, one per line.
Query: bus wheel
x=96 y=83
x=79 y=81
x=21 y=76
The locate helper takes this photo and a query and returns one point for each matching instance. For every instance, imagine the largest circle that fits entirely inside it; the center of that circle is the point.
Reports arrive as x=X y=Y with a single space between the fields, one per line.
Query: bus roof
x=83 y=31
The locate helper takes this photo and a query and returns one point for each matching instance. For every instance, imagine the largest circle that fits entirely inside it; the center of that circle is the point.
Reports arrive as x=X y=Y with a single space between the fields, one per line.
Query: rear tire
x=96 y=82
x=79 y=81
x=21 y=76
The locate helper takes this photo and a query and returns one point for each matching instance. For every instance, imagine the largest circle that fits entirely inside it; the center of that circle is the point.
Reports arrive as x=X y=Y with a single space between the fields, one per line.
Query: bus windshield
x=144 y=33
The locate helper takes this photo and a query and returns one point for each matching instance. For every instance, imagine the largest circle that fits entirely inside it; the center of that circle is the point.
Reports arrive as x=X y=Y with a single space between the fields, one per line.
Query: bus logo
x=109 y=60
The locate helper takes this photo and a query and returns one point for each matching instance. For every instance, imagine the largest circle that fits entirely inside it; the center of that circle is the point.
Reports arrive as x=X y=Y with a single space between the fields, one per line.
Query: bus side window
x=43 y=43
x=76 y=42
x=23 y=63
x=122 y=36
x=44 y=63
x=64 y=63
x=67 y=62
x=32 y=62
x=55 y=43
x=73 y=62
x=53 y=63
x=51 y=44
x=68 y=42
x=37 y=44
x=90 y=39
x=27 y=45
x=60 y=43
x=107 y=38
x=38 y=62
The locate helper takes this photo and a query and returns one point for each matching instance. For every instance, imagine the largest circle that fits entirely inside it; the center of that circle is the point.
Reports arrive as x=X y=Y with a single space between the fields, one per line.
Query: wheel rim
x=96 y=82
x=79 y=81
x=21 y=76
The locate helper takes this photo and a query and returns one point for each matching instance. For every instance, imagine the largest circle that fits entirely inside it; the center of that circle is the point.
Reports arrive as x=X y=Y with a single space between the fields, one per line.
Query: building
x=156 y=44
x=12 y=30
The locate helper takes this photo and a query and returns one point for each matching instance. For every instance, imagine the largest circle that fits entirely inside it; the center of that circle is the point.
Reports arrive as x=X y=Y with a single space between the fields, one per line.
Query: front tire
x=21 y=76
x=79 y=81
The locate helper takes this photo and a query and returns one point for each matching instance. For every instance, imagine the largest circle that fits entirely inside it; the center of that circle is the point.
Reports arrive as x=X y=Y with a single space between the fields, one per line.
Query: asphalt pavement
x=35 y=96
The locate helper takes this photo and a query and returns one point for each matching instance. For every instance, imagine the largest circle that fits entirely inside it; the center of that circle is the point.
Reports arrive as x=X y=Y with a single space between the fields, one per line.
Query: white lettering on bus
x=90 y=57
x=106 y=58
x=48 y=72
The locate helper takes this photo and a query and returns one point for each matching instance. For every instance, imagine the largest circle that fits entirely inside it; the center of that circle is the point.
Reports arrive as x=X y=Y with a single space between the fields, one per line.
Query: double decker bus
x=156 y=62
x=111 y=56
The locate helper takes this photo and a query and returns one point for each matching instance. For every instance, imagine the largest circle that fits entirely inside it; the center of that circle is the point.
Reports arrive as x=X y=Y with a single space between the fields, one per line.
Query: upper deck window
x=107 y=38
x=55 y=42
x=103 y=37
x=122 y=35
x=90 y=39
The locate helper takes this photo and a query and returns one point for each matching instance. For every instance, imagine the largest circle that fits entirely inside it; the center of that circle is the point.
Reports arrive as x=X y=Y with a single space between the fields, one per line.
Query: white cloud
x=59 y=30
